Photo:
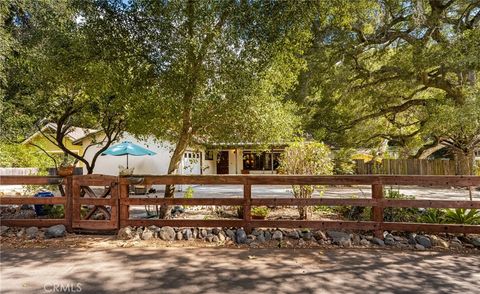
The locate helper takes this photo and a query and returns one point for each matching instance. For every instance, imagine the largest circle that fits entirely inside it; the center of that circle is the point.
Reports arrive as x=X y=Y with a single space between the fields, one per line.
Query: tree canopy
x=383 y=73
x=62 y=71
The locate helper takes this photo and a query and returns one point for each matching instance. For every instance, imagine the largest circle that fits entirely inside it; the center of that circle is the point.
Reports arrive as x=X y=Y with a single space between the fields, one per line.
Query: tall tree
x=221 y=69
x=63 y=72
x=381 y=74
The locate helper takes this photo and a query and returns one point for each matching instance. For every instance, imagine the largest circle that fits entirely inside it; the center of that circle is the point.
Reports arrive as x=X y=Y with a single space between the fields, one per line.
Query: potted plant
x=67 y=167
x=260 y=212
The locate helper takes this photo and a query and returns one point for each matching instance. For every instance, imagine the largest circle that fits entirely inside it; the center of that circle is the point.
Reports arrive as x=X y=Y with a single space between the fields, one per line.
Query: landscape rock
x=194 y=233
x=424 y=241
x=320 y=235
x=3 y=230
x=55 y=231
x=455 y=246
x=378 y=241
x=436 y=241
x=221 y=236
x=230 y=234
x=31 y=232
x=20 y=233
x=147 y=234
x=179 y=236
x=412 y=239
x=301 y=243
x=389 y=240
x=364 y=242
x=257 y=232
x=216 y=231
x=138 y=233
x=125 y=233
x=241 y=236
x=345 y=242
x=251 y=238
x=212 y=238
x=356 y=240
x=209 y=237
x=337 y=236
x=267 y=235
x=166 y=233
x=261 y=238
x=187 y=234
x=456 y=240
x=419 y=247
x=294 y=234
x=475 y=242
x=306 y=235
x=277 y=235
x=203 y=233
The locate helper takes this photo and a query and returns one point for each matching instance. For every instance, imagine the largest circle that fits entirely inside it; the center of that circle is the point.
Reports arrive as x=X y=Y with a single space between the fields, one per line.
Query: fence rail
x=116 y=195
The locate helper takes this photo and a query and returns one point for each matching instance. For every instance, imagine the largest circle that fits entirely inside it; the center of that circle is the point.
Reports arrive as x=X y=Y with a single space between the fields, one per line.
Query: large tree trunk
x=465 y=162
x=177 y=156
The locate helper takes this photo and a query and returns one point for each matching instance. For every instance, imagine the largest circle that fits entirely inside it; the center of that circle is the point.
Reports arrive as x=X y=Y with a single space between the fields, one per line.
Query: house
x=218 y=158
x=39 y=139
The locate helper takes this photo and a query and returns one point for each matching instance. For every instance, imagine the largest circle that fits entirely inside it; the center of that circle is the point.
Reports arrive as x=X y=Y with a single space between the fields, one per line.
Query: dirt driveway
x=205 y=270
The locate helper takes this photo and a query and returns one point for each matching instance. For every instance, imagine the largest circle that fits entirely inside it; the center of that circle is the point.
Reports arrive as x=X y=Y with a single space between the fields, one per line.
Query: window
x=209 y=155
x=260 y=160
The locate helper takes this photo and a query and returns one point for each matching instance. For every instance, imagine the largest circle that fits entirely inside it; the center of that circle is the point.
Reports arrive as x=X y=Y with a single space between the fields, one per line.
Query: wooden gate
x=95 y=202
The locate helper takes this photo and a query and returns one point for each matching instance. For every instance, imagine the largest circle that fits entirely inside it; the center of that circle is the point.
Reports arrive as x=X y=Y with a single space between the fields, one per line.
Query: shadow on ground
x=203 y=270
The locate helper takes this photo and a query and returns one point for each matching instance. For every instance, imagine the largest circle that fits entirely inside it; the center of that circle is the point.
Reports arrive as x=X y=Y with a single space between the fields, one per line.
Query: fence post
x=247 y=211
x=377 y=195
x=124 y=214
x=68 y=209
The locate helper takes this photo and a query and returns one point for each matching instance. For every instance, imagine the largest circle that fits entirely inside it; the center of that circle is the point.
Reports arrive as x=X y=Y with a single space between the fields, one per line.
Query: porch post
x=236 y=161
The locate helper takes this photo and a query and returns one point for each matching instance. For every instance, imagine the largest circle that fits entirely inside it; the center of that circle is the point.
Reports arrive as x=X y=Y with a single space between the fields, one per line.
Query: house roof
x=74 y=133
x=80 y=139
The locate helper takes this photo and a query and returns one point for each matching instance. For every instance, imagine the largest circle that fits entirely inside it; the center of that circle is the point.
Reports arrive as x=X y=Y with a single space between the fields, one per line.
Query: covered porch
x=245 y=158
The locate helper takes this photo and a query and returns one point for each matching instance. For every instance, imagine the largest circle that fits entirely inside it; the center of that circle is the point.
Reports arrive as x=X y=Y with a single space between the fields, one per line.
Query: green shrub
x=390 y=214
x=462 y=216
x=54 y=211
x=343 y=162
x=394 y=214
x=306 y=158
x=188 y=193
x=260 y=211
x=432 y=216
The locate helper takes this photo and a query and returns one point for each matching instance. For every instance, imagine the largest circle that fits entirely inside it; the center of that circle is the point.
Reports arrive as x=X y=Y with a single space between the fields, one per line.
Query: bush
x=394 y=214
x=432 y=216
x=306 y=158
x=390 y=214
x=260 y=211
x=462 y=216
x=16 y=155
x=54 y=211
x=343 y=162
x=188 y=193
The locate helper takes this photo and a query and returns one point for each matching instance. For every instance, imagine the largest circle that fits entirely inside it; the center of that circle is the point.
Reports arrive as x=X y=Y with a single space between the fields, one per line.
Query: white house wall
x=146 y=165
x=235 y=163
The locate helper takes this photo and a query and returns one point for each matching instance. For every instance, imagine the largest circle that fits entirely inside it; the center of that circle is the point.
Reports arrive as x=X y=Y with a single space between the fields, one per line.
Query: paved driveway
x=345 y=192
x=204 y=270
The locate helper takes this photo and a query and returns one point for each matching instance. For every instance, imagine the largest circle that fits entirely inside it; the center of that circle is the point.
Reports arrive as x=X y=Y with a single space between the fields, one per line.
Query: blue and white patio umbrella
x=127 y=148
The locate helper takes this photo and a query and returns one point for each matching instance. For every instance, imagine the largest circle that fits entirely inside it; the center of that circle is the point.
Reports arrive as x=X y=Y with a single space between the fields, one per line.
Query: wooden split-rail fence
x=115 y=201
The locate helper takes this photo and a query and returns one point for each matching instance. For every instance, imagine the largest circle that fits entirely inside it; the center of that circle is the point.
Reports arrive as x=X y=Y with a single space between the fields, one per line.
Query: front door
x=222 y=162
